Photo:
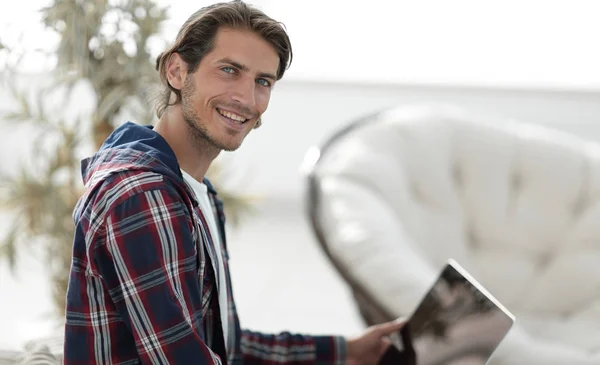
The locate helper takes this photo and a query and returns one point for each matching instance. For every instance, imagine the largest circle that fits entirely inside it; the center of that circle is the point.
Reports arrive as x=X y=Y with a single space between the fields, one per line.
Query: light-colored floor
x=282 y=282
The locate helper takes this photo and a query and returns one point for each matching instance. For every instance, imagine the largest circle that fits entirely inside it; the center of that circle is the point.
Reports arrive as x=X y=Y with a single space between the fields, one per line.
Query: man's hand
x=368 y=348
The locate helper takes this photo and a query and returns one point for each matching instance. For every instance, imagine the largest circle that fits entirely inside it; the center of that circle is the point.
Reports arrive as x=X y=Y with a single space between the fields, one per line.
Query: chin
x=230 y=145
x=231 y=141
x=230 y=148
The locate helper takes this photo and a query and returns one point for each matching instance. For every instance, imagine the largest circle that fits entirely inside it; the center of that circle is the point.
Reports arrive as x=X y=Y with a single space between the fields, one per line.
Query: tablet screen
x=457 y=322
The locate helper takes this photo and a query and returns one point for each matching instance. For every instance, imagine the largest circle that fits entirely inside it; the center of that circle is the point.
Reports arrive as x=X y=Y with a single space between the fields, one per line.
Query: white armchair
x=394 y=195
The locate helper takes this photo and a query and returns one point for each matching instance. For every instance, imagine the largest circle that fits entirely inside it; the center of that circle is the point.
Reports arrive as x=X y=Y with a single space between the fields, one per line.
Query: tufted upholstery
x=41 y=351
x=518 y=205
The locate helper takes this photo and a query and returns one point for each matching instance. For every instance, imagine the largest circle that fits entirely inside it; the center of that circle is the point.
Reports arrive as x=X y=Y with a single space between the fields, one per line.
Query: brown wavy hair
x=197 y=35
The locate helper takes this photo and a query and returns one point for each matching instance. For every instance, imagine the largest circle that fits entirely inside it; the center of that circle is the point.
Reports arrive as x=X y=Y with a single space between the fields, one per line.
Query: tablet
x=457 y=322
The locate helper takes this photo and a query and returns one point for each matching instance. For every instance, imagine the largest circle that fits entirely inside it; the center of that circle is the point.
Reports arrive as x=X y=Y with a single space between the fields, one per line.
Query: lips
x=232 y=116
x=230 y=123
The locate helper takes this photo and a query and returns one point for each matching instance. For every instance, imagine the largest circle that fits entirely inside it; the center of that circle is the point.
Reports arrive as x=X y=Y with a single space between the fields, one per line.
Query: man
x=149 y=280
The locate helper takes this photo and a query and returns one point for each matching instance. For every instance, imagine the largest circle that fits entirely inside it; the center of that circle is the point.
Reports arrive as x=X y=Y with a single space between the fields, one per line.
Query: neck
x=193 y=156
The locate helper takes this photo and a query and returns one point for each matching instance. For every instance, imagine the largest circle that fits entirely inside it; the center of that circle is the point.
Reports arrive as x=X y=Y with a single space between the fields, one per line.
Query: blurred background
x=72 y=70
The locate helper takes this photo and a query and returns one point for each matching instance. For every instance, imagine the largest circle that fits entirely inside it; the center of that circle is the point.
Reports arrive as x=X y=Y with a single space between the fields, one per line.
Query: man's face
x=229 y=91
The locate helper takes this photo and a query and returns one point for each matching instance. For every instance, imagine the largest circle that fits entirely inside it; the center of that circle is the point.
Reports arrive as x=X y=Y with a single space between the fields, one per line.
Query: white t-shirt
x=201 y=191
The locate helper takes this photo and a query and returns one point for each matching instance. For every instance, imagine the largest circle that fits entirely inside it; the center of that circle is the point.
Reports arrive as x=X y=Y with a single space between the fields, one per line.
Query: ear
x=176 y=71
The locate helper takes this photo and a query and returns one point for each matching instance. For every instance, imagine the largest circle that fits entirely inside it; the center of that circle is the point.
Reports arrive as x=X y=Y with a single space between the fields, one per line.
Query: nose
x=244 y=92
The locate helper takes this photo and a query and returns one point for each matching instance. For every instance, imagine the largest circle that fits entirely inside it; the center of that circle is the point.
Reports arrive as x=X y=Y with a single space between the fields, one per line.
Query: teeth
x=230 y=115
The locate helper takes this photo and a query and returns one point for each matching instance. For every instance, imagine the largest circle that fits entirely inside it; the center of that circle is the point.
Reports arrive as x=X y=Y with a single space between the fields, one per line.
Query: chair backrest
x=394 y=195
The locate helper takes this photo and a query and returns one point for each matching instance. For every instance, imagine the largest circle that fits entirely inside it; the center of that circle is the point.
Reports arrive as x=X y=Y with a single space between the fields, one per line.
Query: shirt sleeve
x=148 y=262
x=287 y=348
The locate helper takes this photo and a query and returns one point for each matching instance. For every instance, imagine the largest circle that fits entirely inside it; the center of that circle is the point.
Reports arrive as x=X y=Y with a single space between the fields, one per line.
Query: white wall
x=483 y=43
x=303 y=114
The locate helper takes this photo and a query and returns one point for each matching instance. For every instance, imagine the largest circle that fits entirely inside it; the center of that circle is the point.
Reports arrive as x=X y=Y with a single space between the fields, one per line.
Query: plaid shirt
x=142 y=286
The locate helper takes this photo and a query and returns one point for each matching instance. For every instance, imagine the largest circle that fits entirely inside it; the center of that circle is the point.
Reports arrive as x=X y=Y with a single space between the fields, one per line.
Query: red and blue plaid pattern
x=141 y=288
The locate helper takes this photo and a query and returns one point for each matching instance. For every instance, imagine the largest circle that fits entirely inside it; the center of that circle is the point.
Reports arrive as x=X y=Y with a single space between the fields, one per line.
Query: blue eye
x=228 y=69
x=263 y=82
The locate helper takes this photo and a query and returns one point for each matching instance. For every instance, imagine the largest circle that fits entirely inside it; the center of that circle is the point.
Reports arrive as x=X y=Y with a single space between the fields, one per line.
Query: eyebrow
x=245 y=68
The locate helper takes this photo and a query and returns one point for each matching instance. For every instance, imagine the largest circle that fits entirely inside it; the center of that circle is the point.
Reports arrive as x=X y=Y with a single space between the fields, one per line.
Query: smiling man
x=149 y=280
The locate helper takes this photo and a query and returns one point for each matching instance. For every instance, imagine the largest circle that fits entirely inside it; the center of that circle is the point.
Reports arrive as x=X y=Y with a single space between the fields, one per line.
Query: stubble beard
x=197 y=131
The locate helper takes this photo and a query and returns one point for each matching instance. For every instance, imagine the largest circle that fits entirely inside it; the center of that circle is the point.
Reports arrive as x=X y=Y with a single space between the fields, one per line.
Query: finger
x=385 y=344
x=385 y=329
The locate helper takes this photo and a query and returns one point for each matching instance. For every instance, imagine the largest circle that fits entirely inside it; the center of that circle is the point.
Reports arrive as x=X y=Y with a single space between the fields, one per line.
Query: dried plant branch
x=41 y=196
